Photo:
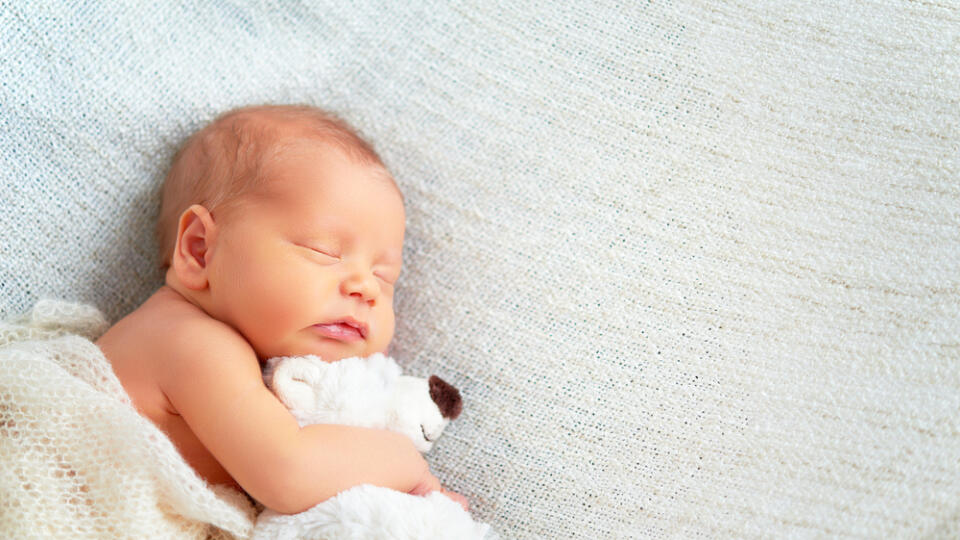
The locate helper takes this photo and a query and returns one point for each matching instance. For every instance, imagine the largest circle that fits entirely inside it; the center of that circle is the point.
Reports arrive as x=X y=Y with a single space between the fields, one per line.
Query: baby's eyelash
x=321 y=251
x=326 y=252
x=390 y=281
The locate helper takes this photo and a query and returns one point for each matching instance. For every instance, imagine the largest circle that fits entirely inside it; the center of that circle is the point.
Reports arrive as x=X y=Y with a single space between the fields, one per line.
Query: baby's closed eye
x=323 y=253
x=388 y=276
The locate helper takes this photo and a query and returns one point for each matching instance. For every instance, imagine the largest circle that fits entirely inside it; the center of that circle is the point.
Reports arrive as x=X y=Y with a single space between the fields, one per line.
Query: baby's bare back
x=138 y=347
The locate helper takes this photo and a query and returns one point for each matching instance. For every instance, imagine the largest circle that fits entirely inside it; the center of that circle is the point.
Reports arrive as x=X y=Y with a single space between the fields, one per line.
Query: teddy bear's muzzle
x=446 y=397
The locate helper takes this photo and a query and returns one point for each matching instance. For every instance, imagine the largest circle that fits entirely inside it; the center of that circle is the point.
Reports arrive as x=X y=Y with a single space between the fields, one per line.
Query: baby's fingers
x=457 y=498
x=427 y=484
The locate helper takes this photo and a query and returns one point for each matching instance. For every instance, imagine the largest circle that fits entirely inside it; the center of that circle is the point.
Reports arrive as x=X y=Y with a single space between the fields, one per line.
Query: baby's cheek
x=279 y=303
x=281 y=288
x=386 y=324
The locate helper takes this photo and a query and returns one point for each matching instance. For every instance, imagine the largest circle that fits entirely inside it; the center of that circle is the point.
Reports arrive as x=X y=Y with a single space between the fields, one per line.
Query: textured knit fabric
x=78 y=460
x=694 y=266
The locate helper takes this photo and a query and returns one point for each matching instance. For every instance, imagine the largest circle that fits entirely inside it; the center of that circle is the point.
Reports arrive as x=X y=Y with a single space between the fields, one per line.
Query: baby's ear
x=196 y=232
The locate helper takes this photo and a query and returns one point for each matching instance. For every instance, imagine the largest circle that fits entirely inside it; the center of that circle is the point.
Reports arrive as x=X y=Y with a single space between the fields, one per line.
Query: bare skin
x=137 y=349
x=307 y=267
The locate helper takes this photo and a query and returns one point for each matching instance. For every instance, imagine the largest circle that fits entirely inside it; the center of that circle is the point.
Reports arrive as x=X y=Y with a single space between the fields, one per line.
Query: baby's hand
x=429 y=483
x=457 y=498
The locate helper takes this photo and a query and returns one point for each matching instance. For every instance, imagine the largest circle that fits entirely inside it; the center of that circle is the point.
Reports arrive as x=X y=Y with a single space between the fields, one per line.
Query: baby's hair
x=222 y=162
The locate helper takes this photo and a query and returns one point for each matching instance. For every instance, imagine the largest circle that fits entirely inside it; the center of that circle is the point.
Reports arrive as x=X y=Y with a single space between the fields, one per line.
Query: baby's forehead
x=323 y=152
x=273 y=134
x=327 y=171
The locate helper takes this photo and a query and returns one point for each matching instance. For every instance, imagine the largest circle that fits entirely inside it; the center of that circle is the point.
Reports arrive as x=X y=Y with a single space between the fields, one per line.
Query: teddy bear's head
x=364 y=392
x=422 y=408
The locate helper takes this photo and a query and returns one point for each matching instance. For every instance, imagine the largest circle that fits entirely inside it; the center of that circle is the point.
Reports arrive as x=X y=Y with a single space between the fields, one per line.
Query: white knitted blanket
x=77 y=459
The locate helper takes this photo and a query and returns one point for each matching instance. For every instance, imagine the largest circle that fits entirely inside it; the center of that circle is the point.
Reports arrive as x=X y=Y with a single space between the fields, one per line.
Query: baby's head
x=283 y=223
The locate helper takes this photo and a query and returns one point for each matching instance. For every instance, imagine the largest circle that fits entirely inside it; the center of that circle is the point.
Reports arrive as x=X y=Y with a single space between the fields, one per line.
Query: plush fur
x=368 y=392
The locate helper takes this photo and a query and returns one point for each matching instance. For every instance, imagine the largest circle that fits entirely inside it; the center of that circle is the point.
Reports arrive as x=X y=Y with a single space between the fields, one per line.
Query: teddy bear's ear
x=446 y=397
x=293 y=381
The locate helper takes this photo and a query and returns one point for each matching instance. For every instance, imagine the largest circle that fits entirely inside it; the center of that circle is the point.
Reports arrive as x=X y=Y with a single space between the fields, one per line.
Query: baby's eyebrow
x=392 y=256
x=326 y=225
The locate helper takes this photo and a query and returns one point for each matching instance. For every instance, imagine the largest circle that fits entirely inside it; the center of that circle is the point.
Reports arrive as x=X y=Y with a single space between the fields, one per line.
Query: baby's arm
x=212 y=379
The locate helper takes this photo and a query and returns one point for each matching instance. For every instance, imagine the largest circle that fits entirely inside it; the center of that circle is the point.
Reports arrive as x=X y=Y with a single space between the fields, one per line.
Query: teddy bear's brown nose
x=446 y=397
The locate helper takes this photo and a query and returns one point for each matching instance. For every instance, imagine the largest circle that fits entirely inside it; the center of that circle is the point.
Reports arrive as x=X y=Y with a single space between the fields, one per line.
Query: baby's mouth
x=343 y=330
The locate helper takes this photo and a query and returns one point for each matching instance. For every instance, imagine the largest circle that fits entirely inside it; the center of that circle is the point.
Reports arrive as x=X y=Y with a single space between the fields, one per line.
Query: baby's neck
x=174 y=289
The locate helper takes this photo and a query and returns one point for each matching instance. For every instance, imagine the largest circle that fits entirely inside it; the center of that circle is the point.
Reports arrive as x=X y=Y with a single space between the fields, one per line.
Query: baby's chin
x=328 y=351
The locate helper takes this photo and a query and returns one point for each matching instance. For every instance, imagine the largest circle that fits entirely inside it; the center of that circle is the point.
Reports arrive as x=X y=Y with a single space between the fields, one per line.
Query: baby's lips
x=339 y=331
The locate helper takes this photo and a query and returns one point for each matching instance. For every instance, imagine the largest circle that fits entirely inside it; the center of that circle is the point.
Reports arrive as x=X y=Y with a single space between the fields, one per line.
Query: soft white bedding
x=695 y=266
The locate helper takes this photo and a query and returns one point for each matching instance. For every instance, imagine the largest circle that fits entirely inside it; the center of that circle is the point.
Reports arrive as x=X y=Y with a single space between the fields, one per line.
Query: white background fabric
x=695 y=266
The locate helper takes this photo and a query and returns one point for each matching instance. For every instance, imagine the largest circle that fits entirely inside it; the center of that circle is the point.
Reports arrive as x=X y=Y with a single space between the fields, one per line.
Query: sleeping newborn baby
x=281 y=232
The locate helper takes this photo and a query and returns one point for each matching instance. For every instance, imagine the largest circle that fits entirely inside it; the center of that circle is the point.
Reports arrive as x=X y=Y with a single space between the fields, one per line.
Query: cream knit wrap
x=78 y=460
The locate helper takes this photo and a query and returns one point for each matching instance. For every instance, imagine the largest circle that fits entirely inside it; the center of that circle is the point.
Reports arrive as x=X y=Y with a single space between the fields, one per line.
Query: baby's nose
x=361 y=286
x=446 y=397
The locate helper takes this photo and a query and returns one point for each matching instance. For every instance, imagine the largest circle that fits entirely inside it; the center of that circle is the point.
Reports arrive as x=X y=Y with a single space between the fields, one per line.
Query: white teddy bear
x=368 y=392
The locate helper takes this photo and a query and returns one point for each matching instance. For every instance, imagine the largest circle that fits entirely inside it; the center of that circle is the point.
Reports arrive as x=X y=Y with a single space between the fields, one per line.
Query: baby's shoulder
x=201 y=338
x=190 y=337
